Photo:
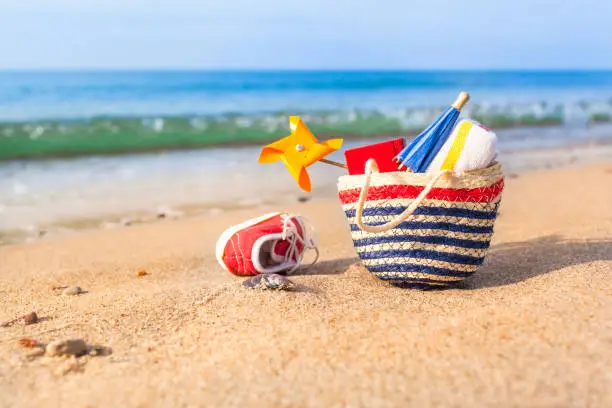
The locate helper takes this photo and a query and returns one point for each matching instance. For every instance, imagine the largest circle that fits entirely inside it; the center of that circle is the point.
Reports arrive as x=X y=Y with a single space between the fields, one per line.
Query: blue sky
x=323 y=34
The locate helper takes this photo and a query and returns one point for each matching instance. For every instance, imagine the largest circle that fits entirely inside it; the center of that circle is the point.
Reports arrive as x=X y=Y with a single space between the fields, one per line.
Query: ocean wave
x=115 y=135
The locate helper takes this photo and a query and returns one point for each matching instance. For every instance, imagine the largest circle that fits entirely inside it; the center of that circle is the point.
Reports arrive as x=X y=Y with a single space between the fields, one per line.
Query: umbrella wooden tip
x=461 y=100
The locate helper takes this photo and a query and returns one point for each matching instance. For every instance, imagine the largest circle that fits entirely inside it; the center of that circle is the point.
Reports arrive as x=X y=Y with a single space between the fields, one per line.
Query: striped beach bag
x=422 y=230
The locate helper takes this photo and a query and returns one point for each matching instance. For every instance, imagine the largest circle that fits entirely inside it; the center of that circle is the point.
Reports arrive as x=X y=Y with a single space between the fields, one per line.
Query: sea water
x=68 y=139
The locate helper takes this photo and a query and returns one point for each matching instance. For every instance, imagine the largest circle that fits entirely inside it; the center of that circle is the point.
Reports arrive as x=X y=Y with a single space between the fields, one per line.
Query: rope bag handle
x=372 y=167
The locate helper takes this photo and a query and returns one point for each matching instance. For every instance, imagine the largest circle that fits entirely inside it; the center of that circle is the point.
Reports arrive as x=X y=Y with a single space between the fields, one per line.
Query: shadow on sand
x=331 y=267
x=515 y=262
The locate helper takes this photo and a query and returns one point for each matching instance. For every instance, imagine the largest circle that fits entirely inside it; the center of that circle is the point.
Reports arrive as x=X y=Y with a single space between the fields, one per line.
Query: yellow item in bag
x=470 y=146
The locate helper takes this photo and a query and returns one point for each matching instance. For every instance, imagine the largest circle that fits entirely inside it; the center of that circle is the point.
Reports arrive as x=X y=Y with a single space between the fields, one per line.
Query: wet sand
x=42 y=199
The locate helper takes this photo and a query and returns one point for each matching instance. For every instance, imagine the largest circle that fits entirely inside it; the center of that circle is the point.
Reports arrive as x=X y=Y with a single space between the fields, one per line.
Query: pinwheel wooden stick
x=300 y=150
x=333 y=163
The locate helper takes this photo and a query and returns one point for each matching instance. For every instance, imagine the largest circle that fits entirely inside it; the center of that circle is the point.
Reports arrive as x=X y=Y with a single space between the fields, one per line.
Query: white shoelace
x=292 y=235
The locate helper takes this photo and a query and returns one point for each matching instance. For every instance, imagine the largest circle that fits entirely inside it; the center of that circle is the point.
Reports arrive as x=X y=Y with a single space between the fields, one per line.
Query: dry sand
x=532 y=328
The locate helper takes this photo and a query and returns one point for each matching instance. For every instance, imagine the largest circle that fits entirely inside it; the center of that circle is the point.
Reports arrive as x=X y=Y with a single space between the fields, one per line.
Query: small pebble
x=269 y=281
x=72 y=291
x=30 y=318
x=126 y=222
x=69 y=347
x=167 y=212
x=303 y=199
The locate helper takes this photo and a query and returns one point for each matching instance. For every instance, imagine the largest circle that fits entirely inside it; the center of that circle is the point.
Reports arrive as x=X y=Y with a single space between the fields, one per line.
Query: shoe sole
x=229 y=233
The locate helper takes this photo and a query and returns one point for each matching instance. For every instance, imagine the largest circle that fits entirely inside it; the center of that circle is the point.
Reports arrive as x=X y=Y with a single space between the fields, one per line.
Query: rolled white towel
x=470 y=146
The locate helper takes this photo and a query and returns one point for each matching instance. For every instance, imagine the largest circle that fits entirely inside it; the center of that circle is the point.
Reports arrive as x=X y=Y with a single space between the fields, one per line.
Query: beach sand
x=532 y=328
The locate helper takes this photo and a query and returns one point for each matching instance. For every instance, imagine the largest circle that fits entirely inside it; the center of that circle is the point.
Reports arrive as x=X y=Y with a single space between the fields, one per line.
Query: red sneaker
x=271 y=243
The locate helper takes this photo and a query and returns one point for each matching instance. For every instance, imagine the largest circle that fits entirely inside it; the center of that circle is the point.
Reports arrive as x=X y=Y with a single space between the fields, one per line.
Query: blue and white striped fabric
x=444 y=241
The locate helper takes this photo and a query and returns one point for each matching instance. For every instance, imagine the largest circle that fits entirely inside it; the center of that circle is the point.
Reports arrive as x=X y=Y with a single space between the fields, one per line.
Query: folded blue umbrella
x=419 y=154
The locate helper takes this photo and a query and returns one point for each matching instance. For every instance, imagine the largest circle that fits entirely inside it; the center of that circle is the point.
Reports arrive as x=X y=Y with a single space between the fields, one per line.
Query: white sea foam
x=37 y=132
x=198 y=123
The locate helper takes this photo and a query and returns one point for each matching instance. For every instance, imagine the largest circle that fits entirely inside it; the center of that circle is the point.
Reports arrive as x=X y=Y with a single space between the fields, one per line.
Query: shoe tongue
x=280 y=248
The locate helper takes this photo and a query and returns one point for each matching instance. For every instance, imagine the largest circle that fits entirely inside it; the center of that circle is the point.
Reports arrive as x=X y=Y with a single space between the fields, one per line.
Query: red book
x=383 y=153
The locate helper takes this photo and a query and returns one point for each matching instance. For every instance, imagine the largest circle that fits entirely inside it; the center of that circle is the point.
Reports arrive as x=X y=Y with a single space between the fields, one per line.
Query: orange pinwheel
x=299 y=150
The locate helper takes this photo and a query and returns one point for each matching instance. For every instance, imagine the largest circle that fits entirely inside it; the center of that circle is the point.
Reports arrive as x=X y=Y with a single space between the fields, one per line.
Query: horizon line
x=234 y=69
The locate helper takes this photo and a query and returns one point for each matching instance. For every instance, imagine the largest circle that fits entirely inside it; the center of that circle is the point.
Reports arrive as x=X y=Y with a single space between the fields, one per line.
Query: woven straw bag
x=422 y=230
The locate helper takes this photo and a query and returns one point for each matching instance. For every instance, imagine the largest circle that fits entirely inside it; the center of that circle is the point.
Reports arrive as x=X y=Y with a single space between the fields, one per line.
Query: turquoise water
x=52 y=114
